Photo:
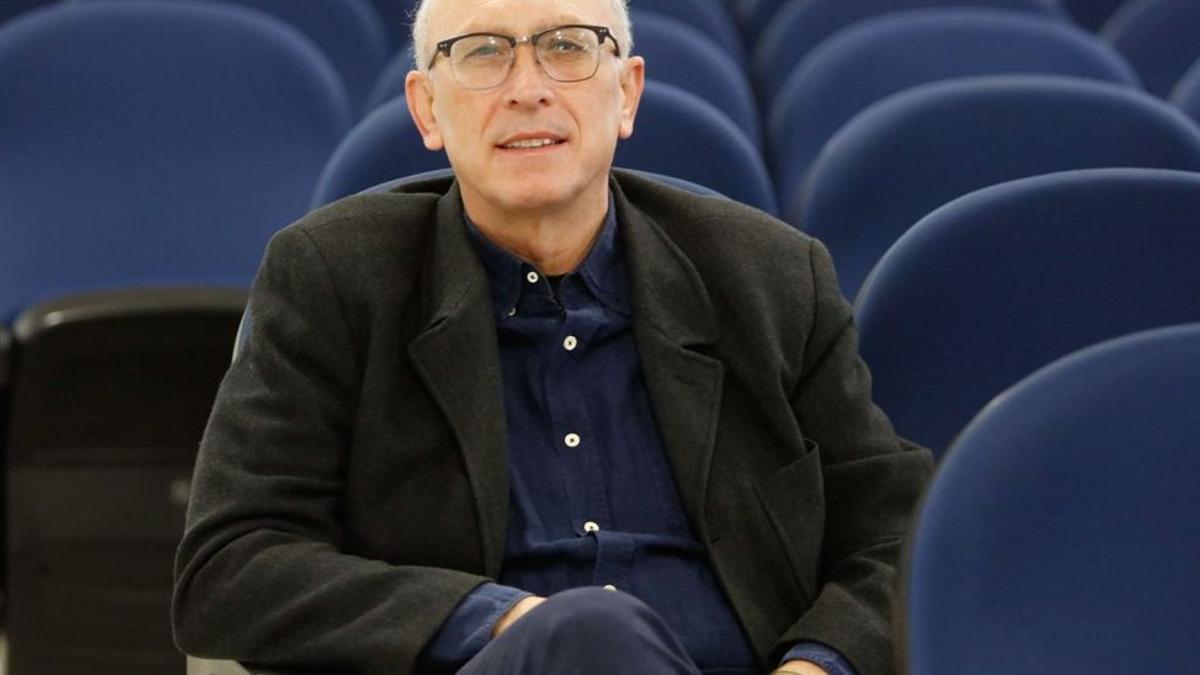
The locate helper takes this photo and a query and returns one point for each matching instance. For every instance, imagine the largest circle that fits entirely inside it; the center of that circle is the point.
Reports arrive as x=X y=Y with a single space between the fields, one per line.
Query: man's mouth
x=531 y=143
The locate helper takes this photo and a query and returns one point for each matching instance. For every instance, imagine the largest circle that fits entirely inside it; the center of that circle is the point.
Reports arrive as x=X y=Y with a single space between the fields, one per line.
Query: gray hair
x=623 y=31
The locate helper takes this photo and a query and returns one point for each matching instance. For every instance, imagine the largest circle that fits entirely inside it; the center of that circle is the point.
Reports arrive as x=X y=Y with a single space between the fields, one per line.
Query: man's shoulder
x=712 y=221
x=371 y=217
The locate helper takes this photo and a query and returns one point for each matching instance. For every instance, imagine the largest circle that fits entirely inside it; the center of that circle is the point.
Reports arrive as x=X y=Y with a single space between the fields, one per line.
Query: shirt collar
x=602 y=271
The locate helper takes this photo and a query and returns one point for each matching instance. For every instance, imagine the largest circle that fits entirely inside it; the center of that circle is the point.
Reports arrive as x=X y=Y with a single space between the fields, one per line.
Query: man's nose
x=527 y=83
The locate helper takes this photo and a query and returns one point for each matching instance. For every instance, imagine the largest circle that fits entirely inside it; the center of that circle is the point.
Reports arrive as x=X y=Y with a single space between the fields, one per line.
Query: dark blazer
x=351 y=487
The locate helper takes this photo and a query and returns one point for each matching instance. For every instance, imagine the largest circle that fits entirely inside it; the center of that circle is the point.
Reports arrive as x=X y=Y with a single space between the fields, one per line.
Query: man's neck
x=555 y=242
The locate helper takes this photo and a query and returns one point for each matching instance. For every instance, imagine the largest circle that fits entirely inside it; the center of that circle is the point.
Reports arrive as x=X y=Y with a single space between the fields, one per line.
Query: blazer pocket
x=794 y=502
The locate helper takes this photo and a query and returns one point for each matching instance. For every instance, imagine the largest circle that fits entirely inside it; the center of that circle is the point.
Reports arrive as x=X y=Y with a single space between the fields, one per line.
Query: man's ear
x=633 y=81
x=418 y=90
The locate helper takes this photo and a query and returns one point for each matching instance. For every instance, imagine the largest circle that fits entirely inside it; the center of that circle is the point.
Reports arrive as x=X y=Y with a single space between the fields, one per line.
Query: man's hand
x=801 y=668
x=516 y=612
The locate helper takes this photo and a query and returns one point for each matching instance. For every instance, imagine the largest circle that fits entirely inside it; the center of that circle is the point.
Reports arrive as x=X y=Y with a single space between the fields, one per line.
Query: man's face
x=477 y=128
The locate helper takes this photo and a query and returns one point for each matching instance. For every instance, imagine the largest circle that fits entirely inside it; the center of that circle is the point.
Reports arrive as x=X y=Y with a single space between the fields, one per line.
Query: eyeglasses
x=483 y=60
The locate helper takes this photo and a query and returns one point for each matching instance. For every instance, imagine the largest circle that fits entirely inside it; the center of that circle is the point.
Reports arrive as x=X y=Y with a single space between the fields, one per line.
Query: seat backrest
x=800 y=26
x=1159 y=37
x=443 y=174
x=350 y=32
x=383 y=145
x=709 y=17
x=1091 y=14
x=1002 y=281
x=1187 y=93
x=397 y=19
x=680 y=55
x=914 y=151
x=154 y=143
x=1061 y=530
x=887 y=54
x=109 y=398
x=390 y=83
x=679 y=134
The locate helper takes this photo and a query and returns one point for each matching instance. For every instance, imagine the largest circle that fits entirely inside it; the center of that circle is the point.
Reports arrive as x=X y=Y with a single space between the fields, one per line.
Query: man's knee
x=595 y=615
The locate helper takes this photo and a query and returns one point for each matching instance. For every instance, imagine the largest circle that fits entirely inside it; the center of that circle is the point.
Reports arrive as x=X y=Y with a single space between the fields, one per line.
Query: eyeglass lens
x=565 y=54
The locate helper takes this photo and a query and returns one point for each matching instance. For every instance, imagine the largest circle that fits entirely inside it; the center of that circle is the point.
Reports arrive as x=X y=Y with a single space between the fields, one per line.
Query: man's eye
x=483 y=52
x=565 y=45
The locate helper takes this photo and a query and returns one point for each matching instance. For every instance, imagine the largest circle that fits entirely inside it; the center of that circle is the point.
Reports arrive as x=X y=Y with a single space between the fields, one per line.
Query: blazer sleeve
x=260 y=575
x=872 y=481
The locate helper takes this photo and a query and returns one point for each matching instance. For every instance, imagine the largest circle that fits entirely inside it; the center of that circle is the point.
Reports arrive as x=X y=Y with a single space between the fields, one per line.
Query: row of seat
x=886 y=55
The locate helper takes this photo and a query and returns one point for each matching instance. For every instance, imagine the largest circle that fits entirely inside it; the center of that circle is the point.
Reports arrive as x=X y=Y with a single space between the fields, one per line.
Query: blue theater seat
x=1091 y=14
x=1187 y=93
x=679 y=134
x=349 y=33
x=887 y=54
x=1161 y=38
x=800 y=26
x=390 y=83
x=682 y=56
x=1060 y=534
x=916 y=150
x=1002 y=281
x=710 y=17
x=382 y=147
x=154 y=143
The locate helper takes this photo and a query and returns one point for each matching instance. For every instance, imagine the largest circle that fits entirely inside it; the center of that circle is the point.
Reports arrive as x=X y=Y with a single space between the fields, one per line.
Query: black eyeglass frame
x=602 y=34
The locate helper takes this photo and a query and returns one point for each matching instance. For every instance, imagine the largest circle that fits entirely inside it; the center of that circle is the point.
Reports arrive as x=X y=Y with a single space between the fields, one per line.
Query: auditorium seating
x=877 y=57
x=153 y=143
x=707 y=16
x=390 y=83
x=1091 y=14
x=680 y=55
x=1187 y=93
x=397 y=19
x=679 y=134
x=1060 y=534
x=441 y=174
x=348 y=32
x=1004 y=280
x=383 y=146
x=149 y=151
x=800 y=26
x=918 y=149
x=1159 y=37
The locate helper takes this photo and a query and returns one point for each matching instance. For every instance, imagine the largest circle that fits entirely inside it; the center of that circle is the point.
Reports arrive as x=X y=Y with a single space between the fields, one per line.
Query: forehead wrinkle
x=504 y=28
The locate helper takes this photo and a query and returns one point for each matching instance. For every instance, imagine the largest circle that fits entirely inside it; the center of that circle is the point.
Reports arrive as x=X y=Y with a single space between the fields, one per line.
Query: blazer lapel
x=458 y=359
x=671 y=316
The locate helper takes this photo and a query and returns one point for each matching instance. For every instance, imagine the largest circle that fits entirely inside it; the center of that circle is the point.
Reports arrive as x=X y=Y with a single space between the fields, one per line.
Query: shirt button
x=571 y=440
x=590 y=526
x=569 y=343
x=609 y=587
x=532 y=277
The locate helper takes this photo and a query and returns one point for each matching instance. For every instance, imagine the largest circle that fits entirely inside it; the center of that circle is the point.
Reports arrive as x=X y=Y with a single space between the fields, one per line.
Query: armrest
x=198 y=666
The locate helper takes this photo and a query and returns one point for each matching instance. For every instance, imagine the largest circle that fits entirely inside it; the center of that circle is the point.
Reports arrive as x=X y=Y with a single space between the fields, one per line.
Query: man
x=544 y=418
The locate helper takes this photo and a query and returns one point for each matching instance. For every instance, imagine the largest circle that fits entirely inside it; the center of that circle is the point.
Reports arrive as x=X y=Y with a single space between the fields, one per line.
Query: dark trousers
x=585 y=631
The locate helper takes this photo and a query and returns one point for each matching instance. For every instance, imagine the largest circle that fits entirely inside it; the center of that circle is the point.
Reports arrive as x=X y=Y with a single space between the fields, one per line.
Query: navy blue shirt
x=592 y=500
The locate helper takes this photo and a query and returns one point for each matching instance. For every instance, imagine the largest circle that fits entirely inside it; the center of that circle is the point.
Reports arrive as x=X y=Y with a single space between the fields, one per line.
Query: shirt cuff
x=826 y=657
x=470 y=626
